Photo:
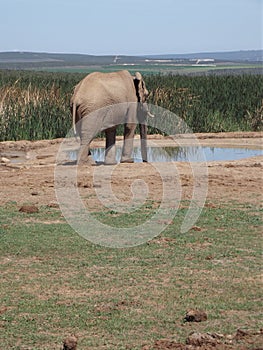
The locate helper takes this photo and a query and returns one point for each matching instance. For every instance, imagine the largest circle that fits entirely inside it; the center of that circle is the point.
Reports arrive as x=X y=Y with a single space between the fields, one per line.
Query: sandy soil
x=29 y=176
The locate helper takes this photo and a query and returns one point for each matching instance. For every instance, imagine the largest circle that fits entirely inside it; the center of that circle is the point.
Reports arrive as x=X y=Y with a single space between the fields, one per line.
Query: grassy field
x=162 y=68
x=54 y=283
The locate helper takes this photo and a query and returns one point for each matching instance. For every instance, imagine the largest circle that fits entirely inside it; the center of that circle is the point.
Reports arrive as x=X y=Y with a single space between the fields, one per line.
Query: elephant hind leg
x=110 y=151
x=129 y=131
x=84 y=154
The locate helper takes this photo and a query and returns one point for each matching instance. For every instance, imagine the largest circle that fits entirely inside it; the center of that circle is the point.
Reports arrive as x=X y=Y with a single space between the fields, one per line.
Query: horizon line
x=132 y=55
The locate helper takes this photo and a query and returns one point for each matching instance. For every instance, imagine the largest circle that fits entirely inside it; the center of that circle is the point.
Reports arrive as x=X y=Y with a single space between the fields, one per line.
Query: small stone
x=70 y=343
x=5 y=160
x=29 y=209
x=196 y=228
x=34 y=193
x=210 y=205
x=195 y=316
x=53 y=205
x=209 y=257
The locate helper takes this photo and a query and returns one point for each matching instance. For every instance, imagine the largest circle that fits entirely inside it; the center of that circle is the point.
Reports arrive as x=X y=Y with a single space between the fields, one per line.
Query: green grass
x=54 y=283
x=151 y=68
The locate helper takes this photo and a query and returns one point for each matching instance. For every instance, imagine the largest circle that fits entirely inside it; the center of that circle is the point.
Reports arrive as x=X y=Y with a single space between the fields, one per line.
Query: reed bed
x=211 y=103
x=35 y=105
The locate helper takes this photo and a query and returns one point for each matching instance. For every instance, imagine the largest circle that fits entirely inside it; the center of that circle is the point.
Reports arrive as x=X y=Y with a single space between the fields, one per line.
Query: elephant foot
x=128 y=160
x=85 y=161
x=110 y=163
x=84 y=156
x=110 y=159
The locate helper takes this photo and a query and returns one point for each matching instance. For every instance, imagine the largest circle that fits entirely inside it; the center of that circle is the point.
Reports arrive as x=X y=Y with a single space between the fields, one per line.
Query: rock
x=53 y=205
x=196 y=228
x=195 y=316
x=70 y=343
x=34 y=193
x=29 y=209
x=240 y=334
x=199 y=339
x=4 y=160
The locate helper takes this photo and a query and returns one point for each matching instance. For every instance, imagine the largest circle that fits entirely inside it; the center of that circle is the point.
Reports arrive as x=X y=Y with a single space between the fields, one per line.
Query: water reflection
x=180 y=154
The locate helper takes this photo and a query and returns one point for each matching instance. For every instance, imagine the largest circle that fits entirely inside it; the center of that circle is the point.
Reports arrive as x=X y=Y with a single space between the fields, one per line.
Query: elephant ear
x=140 y=88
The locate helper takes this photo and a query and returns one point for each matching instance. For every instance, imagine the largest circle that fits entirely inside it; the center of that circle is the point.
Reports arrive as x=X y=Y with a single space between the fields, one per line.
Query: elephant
x=100 y=102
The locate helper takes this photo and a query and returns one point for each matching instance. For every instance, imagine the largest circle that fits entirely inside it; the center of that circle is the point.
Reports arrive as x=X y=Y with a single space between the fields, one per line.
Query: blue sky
x=130 y=26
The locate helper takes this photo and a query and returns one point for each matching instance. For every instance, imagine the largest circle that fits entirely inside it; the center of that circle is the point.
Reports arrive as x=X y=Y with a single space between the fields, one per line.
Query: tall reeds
x=35 y=105
x=211 y=103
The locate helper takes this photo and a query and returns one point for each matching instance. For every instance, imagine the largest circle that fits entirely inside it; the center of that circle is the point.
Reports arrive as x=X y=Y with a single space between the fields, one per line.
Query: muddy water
x=14 y=156
x=155 y=154
x=188 y=153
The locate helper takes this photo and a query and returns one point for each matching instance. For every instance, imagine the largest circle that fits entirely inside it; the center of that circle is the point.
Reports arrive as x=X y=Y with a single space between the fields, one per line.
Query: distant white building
x=204 y=62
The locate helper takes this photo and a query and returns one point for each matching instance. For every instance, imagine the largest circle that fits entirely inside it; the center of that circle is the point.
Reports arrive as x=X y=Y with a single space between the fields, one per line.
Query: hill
x=32 y=59
x=200 y=63
x=236 y=56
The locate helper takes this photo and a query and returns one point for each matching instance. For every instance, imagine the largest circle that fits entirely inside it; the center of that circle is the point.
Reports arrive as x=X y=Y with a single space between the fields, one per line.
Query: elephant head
x=142 y=111
x=141 y=92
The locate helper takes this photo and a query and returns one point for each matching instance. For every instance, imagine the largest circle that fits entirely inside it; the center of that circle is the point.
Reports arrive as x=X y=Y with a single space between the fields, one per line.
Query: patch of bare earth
x=31 y=181
x=241 y=340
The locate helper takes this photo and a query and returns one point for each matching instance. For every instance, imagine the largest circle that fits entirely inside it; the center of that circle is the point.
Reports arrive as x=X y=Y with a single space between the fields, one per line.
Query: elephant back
x=103 y=89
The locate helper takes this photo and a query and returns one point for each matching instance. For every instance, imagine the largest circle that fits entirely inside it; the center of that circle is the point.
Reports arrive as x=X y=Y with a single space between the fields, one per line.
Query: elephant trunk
x=143 y=135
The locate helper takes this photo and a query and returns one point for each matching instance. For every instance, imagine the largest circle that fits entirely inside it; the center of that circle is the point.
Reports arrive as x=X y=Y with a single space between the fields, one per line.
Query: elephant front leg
x=129 y=130
x=110 y=152
x=143 y=135
x=84 y=155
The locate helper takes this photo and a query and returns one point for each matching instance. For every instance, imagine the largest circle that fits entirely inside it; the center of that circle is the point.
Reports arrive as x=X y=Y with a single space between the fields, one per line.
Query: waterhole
x=14 y=157
x=180 y=154
x=155 y=154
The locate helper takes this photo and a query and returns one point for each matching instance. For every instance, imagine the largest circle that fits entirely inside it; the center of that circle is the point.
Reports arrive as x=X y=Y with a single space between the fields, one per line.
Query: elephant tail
x=74 y=109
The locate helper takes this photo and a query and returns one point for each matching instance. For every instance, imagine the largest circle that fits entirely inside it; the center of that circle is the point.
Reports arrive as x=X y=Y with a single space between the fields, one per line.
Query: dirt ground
x=27 y=171
x=27 y=177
